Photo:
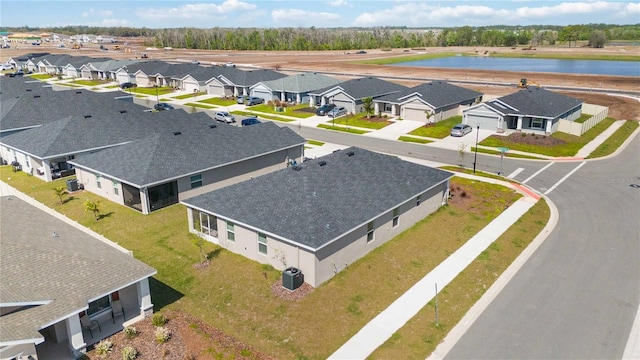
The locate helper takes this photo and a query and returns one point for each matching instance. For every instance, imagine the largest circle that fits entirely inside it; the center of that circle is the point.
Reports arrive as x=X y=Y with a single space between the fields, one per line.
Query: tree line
x=596 y=35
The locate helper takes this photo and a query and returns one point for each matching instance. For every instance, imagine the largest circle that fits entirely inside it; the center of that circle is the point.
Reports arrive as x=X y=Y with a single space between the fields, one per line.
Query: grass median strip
x=202 y=106
x=260 y=116
x=343 y=129
x=414 y=140
x=611 y=144
x=506 y=154
x=241 y=303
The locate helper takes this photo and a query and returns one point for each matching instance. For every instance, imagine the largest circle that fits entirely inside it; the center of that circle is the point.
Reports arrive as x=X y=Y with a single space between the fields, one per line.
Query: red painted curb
x=527 y=191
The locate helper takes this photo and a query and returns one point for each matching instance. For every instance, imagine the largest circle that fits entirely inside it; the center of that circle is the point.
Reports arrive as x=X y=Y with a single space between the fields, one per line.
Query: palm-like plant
x=367 y=106
x=93 y=207
x=60 y=192
x=429 y=114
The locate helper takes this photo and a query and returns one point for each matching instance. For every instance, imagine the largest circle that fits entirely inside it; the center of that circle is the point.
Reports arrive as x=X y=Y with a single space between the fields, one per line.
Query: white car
x=225 y=117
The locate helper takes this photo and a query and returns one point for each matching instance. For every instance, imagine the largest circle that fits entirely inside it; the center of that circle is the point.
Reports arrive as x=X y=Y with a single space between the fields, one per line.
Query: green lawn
x=90 y=82
x=163 y=90
x=186 y=96
x=314 y=142
x=41 y=76
x=288 y=111
x=200 y=105
x=240 y=302
x=218 y=101
x=343 y=129
x=261 y=116
x=507 y=154
x=414 y=140
x=583 y=117
x=439 y=130
x=615 y=140
x=572 y=144
x=360 y=120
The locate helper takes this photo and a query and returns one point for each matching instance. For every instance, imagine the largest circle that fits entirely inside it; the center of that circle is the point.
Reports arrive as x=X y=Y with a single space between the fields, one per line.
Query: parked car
x=361 y=52
x=337 y=111
x=230 y=64
x=224 y=116
x=163 y=107
x=196 y=62
x=18 y=73
x=250 y=121
x=461 y=130
x=127 y=85
x=254 y=101
x=240 y=99
x=322 y=110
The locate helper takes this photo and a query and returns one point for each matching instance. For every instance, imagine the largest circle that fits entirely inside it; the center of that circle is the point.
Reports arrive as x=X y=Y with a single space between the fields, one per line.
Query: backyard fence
x=577 y=129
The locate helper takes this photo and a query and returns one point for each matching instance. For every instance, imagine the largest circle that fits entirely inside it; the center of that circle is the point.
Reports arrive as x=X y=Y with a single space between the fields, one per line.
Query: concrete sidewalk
x=380 y=329
x=593 y=144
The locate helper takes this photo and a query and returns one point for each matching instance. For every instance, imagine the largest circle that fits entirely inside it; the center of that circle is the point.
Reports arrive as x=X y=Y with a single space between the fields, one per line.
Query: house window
x=370 y=231
x=262 y=243
x=418 y=200
x=116 y=188
x=536 y=123
x=231 y=235
x=98 y=305
x=205 y=223
x=396 y=217
x=98 y=183
x=196 y=181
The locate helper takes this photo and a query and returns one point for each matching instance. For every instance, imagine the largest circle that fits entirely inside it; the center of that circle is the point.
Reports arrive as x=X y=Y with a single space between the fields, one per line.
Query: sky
x=318 y=13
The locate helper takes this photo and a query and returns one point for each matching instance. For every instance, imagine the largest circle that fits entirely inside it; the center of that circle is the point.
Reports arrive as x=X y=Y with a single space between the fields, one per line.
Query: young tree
x=367 y=106
x=93 y=207
x=60 y=192
x=597 y=39
x=462 y=151
x=429 y=114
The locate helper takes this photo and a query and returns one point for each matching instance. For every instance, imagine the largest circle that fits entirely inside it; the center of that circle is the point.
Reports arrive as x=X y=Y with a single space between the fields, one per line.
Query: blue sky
x=304 y=13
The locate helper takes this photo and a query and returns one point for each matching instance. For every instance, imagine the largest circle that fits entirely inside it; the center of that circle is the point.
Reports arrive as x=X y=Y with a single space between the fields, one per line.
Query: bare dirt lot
x=343 y=63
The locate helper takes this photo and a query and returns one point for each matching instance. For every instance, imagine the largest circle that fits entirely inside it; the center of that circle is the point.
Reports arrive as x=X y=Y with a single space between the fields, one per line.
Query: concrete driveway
x=453 y=143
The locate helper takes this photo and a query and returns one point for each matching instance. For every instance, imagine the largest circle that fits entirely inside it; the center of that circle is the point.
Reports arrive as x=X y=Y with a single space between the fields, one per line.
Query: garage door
x=191 y=86
x=263 y=94
x=347 y=104
x=485 y=122
x=415 y=114
x=122 y=78
x=215 y=89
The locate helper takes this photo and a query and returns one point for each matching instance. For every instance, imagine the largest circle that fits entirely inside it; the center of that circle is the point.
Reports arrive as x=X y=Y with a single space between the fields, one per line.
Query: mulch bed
x=529 y=139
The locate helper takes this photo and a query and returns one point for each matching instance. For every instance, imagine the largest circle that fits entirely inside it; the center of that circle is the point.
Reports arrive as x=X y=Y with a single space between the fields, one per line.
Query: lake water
x=599 y=67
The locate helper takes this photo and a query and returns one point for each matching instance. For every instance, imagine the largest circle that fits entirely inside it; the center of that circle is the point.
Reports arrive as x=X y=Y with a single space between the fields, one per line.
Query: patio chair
x=89 y=324
x=116 y=310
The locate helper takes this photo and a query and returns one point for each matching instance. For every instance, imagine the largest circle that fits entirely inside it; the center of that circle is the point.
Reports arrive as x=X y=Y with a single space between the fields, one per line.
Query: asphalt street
x=577 y=296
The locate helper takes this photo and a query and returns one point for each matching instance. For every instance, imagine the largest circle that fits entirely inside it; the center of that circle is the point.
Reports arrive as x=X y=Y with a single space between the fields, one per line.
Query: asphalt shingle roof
x=301 y=83
x=365 y=87
x=315 y=204
x=66 y=270
x=535 y=101
x=438 y=94
x=165 y=156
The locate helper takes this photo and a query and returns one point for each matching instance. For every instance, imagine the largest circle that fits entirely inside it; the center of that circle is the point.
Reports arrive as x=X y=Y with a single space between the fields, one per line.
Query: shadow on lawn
x=162 y=294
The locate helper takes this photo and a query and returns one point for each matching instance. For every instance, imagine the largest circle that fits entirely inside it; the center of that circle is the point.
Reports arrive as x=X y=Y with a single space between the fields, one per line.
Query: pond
x=598 y=67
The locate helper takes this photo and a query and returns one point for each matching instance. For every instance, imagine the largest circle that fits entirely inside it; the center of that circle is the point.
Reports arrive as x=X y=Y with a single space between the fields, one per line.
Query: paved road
x=577 y=296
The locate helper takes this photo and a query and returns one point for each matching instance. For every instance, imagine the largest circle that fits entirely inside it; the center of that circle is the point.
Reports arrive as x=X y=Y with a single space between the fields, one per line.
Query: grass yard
x=202 y=106
x=288 y=111
x=439 y=130
x=583 y=117
x=241 y=304
x=218 y=101
x=568 y=145
x=186 y=96
x=615 y=140
x=163 y=90
x=343 y=129
x=41 y=76
x=414 y=140
x=90 y=82
x=260 y=116
x=315 y=142
x=360 y=120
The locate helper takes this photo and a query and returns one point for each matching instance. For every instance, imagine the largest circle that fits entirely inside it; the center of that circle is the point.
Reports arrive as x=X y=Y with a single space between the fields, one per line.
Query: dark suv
x=163 y=107
x=324 y=109
x=250 y=121
x=127 y=85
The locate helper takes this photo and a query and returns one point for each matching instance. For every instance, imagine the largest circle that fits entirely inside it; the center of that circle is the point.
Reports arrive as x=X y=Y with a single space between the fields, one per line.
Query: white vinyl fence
x=573 y=128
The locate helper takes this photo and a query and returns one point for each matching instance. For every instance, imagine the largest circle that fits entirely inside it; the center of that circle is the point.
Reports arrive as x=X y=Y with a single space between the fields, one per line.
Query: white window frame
x=116 y=188
x=92 y=312
x=98 y=181
x=231 y=231
x=262 y=244
x=196 y=181
x=396 y=217
x=371 y=232
x=533 y=120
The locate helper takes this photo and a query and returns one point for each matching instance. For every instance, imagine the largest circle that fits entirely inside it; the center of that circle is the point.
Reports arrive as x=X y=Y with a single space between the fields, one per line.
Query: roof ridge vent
x=87 y=116
x=177 y=133
x=36 y=96
x=322 y=163
x=213 y=126
x=123 y=111
x=28 y=89
x=350 y=153
x=78 y=92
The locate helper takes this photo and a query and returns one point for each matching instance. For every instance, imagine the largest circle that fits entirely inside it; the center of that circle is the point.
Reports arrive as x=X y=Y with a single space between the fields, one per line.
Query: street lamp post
x=475 y=158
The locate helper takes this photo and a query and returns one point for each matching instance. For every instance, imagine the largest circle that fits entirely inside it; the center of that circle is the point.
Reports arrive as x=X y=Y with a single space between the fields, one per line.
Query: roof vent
x=36 y=96
x=123 y=111
x=177 y=133
x=350 y=153
x=78 y=92
x=296 y=168
x=213 y=126
x=322 y=163
x=87 y=116
x=28 y=89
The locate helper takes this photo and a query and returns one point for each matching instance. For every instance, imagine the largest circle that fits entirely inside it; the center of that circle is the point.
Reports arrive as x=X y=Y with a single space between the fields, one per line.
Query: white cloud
x=567 y=8
x=633 y=8
x=115 y=22
x=94 y=12
x=195 y=11
x=337 y=3
x=289 y=15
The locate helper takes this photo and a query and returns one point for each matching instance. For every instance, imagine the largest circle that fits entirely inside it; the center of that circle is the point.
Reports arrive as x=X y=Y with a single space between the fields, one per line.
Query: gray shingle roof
x=365 y=87
x=438 y=94
x=317 y=204
x=66 y=270
x=111 y=64
x=536 y=101
x=165 y=156
x=302 y=83
x=239 y=77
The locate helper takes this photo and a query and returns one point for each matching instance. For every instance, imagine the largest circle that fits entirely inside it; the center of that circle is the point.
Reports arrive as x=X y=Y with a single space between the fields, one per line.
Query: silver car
x=337 y=111
x=225 y=117
x=461 y=130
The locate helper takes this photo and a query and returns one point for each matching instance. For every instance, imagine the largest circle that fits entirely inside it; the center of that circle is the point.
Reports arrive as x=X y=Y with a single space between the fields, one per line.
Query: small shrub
x=162 y=334
x=103 y=349
x=158 y=319
x=130 y=332
x=464 y=194
x=523 y=134
x=129 y=353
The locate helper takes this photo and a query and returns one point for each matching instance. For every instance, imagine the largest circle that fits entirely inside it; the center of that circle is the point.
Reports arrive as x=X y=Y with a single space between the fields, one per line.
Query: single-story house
x=103 y=70
x=440 y=99
x=161 y=169
x=61 y=286
x=351 y=92
x=73 y=68
x=241 y=81
x=294 y=88
x=321 y=215
x=534 y=110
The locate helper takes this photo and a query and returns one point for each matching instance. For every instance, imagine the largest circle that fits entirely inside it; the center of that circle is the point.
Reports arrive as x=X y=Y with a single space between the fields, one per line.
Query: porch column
x=312 y=101
x=47 y=170
x=376 y=108
x=298 y=99
x=74 y=333
x=548 y=127
x=519 y=124
x=144 y=201
x=395 y=109
x=323 y=100
x=283 y=96
x=144 y=297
